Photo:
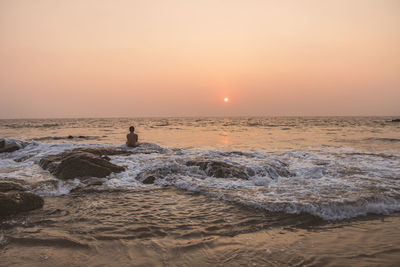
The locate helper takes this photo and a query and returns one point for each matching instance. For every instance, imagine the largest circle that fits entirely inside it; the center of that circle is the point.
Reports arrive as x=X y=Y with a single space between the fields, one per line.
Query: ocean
x=318 y=191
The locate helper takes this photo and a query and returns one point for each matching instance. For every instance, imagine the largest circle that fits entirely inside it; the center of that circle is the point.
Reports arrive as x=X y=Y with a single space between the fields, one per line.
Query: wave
x=31 y=125
x=78 y=137
x=333 y=183
x=383 y=139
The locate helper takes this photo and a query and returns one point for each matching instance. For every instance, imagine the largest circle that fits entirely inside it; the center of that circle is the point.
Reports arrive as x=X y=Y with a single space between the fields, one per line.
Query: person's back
x=131 y=138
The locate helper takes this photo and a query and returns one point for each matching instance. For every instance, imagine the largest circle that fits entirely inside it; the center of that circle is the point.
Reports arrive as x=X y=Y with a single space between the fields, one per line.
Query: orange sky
x=181 y=58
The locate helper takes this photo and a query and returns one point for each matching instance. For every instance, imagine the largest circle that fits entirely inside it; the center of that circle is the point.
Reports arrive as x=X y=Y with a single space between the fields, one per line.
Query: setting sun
x=226 y=100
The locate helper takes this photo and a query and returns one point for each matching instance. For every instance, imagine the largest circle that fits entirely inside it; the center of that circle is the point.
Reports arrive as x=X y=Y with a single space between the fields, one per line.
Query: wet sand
x=169 y=227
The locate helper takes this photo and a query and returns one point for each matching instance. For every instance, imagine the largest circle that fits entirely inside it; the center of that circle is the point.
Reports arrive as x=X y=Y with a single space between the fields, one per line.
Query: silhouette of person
x=131 y=138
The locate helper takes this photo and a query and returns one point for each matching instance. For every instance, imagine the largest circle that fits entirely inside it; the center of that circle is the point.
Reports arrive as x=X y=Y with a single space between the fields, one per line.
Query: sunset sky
x=182 y=58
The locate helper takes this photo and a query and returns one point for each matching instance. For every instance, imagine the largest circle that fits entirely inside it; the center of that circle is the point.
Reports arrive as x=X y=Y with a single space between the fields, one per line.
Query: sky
x=182 y=58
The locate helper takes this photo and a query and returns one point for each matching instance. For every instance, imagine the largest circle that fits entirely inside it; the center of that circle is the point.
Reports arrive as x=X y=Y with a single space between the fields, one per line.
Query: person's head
x=131 y=129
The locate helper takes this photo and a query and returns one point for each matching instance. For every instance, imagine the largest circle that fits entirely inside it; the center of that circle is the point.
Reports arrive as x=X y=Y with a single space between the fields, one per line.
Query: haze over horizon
x=182 y=58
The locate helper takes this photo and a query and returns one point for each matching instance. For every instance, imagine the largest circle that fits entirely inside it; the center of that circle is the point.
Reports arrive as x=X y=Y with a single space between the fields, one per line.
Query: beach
x=226 y=191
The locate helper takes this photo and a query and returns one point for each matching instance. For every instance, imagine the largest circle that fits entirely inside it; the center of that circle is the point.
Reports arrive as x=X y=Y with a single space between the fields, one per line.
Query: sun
x=226 y=100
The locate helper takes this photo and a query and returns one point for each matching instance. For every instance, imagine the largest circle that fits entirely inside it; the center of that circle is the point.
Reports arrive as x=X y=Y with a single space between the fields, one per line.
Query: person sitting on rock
x=132 y=138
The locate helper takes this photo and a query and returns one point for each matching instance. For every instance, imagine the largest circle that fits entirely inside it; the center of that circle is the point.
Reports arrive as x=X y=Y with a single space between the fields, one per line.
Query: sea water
x=337 y=168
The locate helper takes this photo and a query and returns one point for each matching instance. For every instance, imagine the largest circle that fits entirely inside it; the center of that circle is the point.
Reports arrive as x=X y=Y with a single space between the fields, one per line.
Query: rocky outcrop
x=217 y=169
x=15 y=202
x=75 y=163
x=103 y=151
x=13 y=199
x=10 y=186
x=221 y=169
x=8 y=145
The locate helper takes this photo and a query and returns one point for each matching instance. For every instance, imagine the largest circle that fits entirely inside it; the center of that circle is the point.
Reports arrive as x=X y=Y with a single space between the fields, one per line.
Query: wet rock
x=103 y=151
x=78 y=163
x=149 y=176
x=221 y=169
x=14 y=180
x=10 y=145
x=149 y=180
x=23 y=158
x=15 y=202
x=10 y=186
x=275 y=171
x=280 y=170
x=148 y=148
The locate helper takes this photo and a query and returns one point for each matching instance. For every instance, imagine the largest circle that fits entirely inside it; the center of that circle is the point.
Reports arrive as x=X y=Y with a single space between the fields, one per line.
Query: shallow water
x=168 y=227
x=309 y=182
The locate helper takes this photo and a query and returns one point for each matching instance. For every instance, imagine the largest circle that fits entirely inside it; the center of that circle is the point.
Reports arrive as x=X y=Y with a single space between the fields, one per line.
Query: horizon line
x=192 y=116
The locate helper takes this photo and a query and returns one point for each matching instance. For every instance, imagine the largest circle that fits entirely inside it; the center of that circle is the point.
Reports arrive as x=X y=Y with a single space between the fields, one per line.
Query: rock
x=221 y=169
x=15 y=202
x=396 y=120
x=10 y=145
x=103 y=151
x=149 y=176
x=10 y=186
x=14 y=180
x=280 y=170
x=147 y=148
x=90 y=181
x=78 y=163
x=149 y=180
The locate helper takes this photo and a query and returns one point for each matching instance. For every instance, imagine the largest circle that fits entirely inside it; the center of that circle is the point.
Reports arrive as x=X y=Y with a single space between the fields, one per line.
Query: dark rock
x=103 y=151
x=10 y=145
x=15 y=202
x=10 y=186
x=396 y=120
x=78 y=163
x=106 y=158
x=70 y=137
x=149 y=176
x=23 y=158
x=149 y=180
x=221 y=169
